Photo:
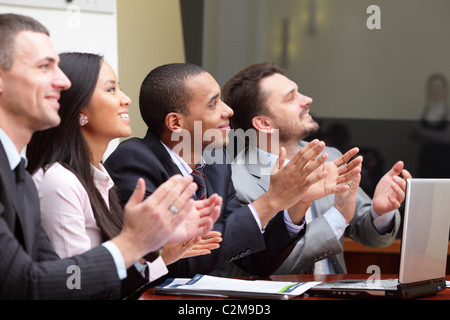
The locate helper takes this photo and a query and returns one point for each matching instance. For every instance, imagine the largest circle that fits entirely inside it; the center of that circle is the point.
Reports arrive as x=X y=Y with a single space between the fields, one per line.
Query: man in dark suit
x=30 y=85
x=182 y=102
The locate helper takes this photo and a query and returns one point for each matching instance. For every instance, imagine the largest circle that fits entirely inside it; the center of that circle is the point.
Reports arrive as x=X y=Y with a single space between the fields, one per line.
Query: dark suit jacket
x=29 y=267
x=243 y=243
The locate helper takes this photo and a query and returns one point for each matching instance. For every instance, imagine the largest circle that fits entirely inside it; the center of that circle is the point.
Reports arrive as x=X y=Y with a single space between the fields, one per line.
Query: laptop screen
x=425 y=230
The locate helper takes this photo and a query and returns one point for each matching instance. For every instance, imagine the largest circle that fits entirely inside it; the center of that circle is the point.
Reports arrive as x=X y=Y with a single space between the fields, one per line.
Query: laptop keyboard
x=377 y=284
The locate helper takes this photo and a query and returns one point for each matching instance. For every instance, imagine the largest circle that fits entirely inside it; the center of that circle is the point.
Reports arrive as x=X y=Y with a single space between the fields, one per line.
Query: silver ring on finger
x=174 y=209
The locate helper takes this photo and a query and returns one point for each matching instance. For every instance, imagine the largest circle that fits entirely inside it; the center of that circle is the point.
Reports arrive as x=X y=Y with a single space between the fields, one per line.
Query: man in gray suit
x=263 y=99
x=30 y=85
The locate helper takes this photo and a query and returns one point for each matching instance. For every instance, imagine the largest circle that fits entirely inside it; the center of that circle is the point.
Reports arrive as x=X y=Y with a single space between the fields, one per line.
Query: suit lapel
x=258 y=167
x=323 y=204
x=161 y=154
x=209 y=171
x=18 y=221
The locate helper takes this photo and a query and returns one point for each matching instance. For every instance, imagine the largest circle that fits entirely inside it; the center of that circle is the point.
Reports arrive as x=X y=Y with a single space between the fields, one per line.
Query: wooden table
x=358 y=257
x=149 y=295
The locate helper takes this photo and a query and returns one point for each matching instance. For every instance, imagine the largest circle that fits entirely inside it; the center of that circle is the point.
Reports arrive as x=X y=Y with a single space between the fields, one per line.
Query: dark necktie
x=19 y=171
x=19 y=174
x=200 y=180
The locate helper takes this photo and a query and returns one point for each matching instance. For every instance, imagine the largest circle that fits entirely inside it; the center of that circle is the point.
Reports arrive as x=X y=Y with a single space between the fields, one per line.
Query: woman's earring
x=83 y=120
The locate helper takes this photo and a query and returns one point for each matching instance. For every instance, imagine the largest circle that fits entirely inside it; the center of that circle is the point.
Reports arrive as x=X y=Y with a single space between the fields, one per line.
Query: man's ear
x=263 y=124
x=173 y=121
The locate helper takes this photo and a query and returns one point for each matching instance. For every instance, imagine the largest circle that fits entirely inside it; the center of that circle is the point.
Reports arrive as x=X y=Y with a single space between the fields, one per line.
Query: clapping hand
x=339 y=173
x=192 y=248
x=391 y=189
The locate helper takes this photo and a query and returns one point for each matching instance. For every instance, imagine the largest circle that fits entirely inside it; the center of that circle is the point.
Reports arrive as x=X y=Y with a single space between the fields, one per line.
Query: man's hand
x=289 y=183
x=345 y=202
x=390 y=190
x=340 y=173
x=199 y=220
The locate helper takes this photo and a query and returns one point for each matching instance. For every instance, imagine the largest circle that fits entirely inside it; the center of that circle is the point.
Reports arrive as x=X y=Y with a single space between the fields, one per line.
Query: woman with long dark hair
x=79 y=206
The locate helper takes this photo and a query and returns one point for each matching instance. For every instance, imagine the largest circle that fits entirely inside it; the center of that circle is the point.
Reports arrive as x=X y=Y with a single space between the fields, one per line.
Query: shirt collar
x=269 y=157
x=180 y=163
x=12 y=154
x=102 y=180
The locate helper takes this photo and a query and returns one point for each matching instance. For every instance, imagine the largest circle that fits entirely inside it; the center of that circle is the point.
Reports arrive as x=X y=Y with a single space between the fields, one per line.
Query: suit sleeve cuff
x=292 y=228
x=256 y=216
x=157 y=269
x=336 y=221
x=118 y=259
x=384 y=223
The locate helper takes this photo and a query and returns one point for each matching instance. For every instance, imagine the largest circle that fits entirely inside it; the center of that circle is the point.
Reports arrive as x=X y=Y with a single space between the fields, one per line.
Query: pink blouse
x=67 y=216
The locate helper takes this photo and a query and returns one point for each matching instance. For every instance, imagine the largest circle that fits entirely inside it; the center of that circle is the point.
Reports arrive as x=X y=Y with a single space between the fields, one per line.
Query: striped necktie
x=200 y=180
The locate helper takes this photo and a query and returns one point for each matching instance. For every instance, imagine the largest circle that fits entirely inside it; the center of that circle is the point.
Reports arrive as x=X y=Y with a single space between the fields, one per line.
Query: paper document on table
x=225 y=287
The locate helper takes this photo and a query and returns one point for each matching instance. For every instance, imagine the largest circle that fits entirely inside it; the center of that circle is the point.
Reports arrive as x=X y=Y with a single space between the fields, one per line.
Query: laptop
x=424 y=248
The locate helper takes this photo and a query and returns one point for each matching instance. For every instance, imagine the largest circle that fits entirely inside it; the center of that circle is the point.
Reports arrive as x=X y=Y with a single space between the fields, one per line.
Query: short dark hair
x=10 y=25
x=164 y=91
x=242 y=93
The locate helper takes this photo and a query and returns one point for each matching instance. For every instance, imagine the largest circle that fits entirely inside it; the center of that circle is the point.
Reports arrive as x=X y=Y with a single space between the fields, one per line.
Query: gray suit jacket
x=251 y=181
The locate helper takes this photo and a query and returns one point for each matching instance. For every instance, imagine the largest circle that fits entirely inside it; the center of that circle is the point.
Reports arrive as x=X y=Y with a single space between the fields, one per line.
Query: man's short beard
x=310 y=131
x=304 y=134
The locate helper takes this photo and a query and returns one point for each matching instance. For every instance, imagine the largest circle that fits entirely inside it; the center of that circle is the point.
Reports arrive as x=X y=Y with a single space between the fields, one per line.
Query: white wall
x=72 y=30
x=82 y=25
